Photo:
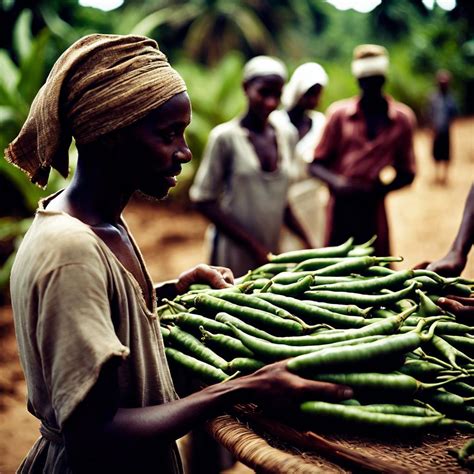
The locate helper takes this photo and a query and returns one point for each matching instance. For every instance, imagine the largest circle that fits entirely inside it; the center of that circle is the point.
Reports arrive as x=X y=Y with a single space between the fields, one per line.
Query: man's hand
x=216 y=277
x=461 y=307
x=451 y=265
x=275 y=386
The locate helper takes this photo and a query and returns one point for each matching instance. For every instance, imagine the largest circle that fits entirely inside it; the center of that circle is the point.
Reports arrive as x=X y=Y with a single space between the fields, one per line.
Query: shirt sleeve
x=213 y=170
x=326 y=149
x=75 y=333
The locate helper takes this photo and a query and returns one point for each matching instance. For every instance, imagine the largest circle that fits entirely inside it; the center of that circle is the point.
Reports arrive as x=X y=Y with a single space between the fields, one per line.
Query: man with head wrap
x=300 y=98
x=242 y=183
x=83 y=302
x=365 y=140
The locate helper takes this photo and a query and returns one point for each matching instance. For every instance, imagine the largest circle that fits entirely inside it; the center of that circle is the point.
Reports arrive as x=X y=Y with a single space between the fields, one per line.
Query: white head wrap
x=260 y=66
x=303 y=78
x=370 y=60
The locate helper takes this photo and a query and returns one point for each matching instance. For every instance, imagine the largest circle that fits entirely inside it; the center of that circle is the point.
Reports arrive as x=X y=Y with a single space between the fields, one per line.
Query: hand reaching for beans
x=276 y=387
x=461 y=307
x=451 y=265
x=216 y=277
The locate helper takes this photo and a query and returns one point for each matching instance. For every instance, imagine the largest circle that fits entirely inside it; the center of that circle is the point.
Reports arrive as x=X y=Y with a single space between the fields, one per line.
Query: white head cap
x=303 y=78
x=370 y=60
x=260 y=66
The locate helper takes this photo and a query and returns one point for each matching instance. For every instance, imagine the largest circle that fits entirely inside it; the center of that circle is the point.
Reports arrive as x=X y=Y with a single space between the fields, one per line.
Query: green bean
x=420 y=368
x=394 y=383
x=458 y=289
x=425 y=282
x=464 y=344
x=223 y=317
x=453 y=328
x=193 y=321
x=450 y=353
x=228 y=345
x=427 y=307
x=421 y=272
x=246 y=365
x=253 y=301
x=293 y=289
x=272 y=268
x=297 y=256
x=271 y=351
x=189 y=344
x=165 y=333
x=358 y=416
x=312 y=313
x=358 y=299
x=344 y=357
x=369 y=285
x=390 y=408
x=286 y=278
x=247 y=328
x=348 y=309
x=256 y=316
x=361 y=251
x=342 y=266
x=378 y=271
x=461 y=388
x=460 y=425
x=443 y=400
x=198 y=368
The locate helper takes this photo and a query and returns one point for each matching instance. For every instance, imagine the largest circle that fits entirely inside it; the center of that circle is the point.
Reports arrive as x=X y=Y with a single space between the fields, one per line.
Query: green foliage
x=19 y=84
x=216 y=97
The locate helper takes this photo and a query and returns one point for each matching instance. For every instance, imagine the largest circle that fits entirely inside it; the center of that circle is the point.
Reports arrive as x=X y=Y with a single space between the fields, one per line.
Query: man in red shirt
x=364 y=137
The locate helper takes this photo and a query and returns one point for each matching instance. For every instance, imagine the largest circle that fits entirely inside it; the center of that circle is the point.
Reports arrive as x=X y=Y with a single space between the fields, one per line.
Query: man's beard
x=148 y=197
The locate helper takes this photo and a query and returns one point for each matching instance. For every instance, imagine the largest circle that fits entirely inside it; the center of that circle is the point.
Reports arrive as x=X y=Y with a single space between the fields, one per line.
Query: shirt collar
x=354 y=109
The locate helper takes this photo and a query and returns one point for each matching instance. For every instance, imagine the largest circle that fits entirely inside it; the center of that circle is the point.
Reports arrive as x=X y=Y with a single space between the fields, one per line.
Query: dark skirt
x=441 y=146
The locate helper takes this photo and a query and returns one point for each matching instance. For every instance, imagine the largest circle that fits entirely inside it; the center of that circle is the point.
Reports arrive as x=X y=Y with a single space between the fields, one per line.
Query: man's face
x=310 y=100
x=156 y=148
x=263 y=94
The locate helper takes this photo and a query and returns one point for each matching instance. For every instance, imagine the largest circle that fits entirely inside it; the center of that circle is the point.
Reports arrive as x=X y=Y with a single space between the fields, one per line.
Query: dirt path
x=424 y=220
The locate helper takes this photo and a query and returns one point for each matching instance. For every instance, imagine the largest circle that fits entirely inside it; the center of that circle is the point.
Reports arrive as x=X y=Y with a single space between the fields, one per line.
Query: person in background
x=365 y=152
x=442 y=110
x=84 y=304
x=242 y=183
x=307 y=198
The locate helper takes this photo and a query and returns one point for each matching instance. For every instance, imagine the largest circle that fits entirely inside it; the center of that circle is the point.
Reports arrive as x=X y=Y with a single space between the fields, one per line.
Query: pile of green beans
x=338 y=315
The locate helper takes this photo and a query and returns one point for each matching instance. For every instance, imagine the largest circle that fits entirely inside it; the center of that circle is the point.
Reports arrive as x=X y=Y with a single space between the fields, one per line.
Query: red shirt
x=346 y=149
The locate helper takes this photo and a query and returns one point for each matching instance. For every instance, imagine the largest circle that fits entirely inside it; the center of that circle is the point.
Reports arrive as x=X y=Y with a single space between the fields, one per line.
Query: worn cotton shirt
x=75 y=307
x=231 y=173
x=346 y=150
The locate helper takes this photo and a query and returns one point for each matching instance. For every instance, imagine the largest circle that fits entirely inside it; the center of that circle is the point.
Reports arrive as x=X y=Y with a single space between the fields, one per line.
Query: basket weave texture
x=265 y=452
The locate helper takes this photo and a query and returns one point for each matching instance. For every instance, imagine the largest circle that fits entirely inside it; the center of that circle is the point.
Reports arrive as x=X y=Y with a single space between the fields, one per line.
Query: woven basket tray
x=268 y=446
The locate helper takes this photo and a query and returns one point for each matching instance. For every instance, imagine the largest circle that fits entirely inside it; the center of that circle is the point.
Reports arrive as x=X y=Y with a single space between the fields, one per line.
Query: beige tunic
x=231 y=173
x=75 y=307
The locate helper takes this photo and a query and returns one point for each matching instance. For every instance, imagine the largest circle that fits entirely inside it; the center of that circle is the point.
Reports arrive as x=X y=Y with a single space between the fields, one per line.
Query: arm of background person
x=232 y=229
x=98 y=431
x=453 y=263
x=293 y=223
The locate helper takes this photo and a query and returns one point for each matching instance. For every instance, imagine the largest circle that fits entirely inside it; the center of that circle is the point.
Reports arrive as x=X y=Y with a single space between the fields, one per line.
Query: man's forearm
x=228 y=226
x=465 y=237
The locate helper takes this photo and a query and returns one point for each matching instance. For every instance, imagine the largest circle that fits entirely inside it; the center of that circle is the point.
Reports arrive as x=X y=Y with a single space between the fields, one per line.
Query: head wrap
x=370 y=60
x=99 y=84
x=303 y=78
x=260 y=66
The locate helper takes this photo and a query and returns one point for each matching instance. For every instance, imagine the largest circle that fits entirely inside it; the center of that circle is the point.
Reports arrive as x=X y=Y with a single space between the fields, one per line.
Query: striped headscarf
x=99 y=84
